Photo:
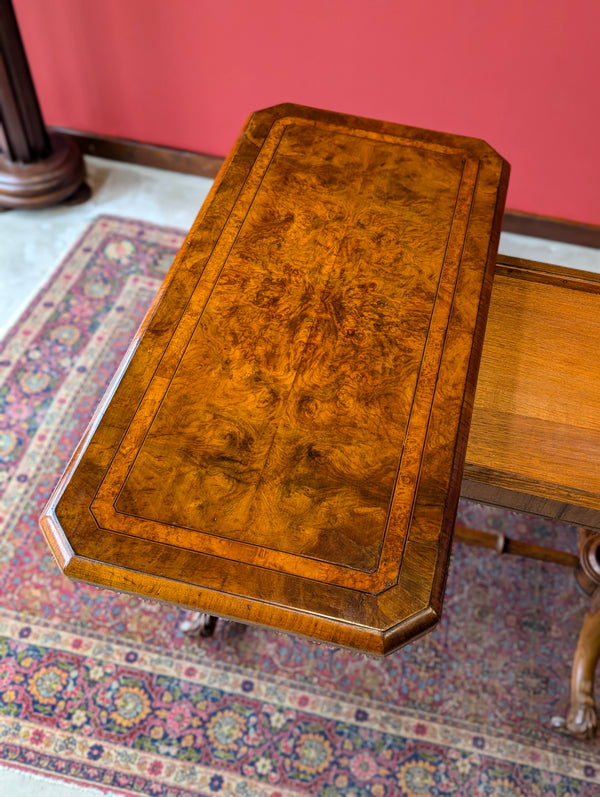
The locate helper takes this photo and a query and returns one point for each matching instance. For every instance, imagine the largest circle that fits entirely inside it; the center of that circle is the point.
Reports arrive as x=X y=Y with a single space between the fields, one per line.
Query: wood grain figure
x=284 y=443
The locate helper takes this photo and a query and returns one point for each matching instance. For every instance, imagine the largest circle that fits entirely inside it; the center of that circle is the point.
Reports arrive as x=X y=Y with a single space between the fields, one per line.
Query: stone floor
x=32 y=243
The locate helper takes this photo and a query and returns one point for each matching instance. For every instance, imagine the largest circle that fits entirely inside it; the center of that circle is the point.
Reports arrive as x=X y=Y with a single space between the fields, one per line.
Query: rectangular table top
x=284 y=442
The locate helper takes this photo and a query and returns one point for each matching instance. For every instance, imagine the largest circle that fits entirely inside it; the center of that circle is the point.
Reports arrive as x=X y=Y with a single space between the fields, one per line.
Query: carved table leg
x=582 y=717
x=199 y=624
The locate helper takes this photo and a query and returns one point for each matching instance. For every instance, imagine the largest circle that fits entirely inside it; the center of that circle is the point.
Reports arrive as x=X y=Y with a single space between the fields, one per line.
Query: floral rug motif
x=103 y=689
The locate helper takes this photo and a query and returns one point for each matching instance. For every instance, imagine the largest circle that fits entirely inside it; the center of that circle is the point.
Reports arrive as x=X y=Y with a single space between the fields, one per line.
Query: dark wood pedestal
x=36 y=169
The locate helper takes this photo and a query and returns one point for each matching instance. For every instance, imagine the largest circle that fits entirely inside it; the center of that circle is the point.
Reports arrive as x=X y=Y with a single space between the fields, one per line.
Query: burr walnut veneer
x=284 y=443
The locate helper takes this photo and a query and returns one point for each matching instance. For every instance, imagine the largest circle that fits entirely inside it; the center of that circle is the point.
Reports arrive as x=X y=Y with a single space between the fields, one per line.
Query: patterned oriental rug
x=102 y=688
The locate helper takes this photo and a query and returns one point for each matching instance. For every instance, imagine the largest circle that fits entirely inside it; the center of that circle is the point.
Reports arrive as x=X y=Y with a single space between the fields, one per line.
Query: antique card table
x=534 y=443
x=284 y=442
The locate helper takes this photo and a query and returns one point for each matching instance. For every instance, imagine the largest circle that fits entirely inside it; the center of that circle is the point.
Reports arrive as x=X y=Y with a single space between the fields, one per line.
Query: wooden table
x=285 y=440
x=534 y=443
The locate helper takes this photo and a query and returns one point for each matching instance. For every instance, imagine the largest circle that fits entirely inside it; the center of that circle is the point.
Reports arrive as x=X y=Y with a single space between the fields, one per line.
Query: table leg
x=199 y=624
x=582 y=718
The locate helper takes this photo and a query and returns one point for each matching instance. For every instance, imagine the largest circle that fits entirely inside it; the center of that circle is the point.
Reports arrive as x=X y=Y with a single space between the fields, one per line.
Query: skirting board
x=178 y=160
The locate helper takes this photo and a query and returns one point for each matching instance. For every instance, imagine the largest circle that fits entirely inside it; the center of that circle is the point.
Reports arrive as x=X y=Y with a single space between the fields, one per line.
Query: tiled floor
x=32 y=244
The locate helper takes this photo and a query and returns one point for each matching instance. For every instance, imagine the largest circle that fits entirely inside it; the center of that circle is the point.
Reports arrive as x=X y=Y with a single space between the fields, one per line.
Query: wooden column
x=36 y=169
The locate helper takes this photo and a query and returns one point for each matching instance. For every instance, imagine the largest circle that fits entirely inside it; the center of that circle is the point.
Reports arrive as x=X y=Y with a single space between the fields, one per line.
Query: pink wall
x=522 y=74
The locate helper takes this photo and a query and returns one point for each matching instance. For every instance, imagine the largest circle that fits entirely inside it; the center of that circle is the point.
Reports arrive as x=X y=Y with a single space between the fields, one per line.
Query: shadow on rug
x=102 y=688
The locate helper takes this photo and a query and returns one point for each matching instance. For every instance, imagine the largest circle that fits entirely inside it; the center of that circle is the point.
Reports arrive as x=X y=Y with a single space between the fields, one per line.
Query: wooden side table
x=534 y=444
x=285 y=440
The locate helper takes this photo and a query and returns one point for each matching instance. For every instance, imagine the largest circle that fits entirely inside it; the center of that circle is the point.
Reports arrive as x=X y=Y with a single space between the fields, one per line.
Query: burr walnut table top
x=284 y=442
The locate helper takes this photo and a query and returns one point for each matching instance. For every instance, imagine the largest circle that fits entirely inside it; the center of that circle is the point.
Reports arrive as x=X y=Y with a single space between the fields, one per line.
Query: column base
x=44 y=182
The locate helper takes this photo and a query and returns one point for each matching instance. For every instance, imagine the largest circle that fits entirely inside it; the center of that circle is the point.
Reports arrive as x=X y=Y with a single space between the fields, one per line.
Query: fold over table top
x=284 y=442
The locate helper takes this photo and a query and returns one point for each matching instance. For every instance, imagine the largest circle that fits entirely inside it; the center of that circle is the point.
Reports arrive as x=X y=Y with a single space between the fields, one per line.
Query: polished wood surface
x=284 y=444
x=534 y=443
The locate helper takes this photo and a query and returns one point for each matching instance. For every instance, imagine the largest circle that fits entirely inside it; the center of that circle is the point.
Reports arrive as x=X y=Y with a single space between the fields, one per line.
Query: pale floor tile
x=579 y=257
x=16 y=783
x=33 y=242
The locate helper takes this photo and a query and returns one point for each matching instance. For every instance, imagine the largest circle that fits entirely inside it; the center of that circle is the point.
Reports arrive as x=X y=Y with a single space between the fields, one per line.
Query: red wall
x=522 y=74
